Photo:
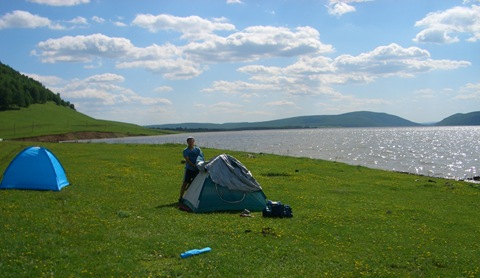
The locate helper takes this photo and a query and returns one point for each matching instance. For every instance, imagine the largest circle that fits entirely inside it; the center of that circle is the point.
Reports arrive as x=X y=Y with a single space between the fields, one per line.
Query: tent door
x=223 y=198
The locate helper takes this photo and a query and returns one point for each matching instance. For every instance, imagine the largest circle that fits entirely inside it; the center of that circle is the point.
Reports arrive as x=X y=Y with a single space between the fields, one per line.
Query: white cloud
x=98 y=19
x=82 y=48
x=314 y=76
x=239 y=87
x=394 y=60
x=303 y=71
x=120 y=24
x=106 y=77
x=225 y=105
x=100 y=96
x=426 y=93
x=249 y=44
x=470 y=91
x=340 y=7
x=309 y=75
x=445 y=27
x=234 y=2
x=46 y=80
x=170 y=68
x=258 y=42
x=226 y=112
x=23 y=19
x=280 y=103
x=184 y=62
x=163 y=89
x=60 y=2
x=192 y=27
x=166 y=60
x=79 y=20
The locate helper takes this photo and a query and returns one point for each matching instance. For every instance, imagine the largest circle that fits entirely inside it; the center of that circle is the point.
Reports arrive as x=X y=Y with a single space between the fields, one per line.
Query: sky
x=217 y=61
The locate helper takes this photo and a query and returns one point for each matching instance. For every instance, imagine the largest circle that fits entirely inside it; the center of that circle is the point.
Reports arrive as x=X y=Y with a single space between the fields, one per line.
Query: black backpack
x=277 y=209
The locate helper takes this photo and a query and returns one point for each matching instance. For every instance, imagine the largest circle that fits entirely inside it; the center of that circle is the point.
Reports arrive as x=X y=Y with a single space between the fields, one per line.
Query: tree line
x=18 y=90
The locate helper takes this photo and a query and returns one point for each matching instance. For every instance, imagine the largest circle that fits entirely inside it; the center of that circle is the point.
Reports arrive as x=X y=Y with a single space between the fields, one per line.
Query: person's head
x=190 y=141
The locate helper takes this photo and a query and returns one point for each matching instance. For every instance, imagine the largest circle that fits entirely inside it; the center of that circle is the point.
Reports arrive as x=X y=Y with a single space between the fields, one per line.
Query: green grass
x=48 y=119
x=118 y=219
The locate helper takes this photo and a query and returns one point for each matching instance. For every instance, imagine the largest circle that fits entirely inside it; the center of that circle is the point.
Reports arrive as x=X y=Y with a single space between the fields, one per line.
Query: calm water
x=450 y=152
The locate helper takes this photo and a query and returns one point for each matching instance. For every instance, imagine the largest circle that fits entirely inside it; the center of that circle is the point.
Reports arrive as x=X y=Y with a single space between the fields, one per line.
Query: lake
x=447 y=152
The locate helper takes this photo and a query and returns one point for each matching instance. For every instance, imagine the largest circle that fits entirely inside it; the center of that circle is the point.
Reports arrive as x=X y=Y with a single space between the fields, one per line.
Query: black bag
x=277 y=209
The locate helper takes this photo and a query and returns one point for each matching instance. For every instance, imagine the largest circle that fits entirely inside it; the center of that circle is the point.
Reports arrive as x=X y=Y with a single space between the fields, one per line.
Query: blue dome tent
x=34 y=168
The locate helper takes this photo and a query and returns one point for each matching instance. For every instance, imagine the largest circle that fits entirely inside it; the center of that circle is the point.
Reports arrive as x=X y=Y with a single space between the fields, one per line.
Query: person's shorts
x=190 y=175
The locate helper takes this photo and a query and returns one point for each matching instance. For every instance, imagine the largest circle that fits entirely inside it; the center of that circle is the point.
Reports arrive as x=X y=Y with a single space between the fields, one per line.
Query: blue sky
x=157 y=61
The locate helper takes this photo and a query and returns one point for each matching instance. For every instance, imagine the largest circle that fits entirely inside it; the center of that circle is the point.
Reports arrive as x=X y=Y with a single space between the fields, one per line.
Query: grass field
x=118 y=218
x=51 y=119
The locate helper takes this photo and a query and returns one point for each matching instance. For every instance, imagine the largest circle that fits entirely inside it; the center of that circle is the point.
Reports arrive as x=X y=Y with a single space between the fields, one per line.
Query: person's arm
x=200 y=155
x=187 y=159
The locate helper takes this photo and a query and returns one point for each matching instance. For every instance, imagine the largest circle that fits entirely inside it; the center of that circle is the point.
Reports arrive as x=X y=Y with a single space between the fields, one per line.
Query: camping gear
x=246 y=213
x=193 y=252
x=34 y=168
x=224 y=185
x=277 y=209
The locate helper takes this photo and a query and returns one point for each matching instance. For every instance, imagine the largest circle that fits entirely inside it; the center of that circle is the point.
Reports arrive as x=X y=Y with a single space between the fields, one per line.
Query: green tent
x=224 y=184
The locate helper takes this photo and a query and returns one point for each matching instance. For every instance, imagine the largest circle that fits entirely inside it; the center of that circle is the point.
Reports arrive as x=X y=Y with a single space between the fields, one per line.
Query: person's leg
x=182 y=190
x=187 y=179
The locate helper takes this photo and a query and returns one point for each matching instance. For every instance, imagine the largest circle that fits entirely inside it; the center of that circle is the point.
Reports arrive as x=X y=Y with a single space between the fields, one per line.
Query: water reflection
x=451 y=152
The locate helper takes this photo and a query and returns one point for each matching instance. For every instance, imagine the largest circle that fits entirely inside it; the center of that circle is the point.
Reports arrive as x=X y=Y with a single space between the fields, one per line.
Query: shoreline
x=72 y=136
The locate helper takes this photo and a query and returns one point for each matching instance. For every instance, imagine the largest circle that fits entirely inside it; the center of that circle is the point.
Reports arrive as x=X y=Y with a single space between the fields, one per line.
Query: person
x=192 y=155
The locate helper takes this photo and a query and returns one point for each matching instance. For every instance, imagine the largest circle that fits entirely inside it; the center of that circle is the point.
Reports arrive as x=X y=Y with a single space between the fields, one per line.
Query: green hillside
x=66 y=123
x=353 y=119
x=18 y=90
x=460 y=119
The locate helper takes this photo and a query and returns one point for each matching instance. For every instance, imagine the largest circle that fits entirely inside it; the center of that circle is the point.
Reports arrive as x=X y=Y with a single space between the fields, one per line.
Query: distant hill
x=460 y=119
x=353 y=119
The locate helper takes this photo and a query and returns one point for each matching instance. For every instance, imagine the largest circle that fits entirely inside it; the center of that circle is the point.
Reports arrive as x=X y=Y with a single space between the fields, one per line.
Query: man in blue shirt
x=192 y=154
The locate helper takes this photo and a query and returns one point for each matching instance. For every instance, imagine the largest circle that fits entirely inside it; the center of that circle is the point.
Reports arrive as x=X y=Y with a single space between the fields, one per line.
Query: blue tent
x=35 y=168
